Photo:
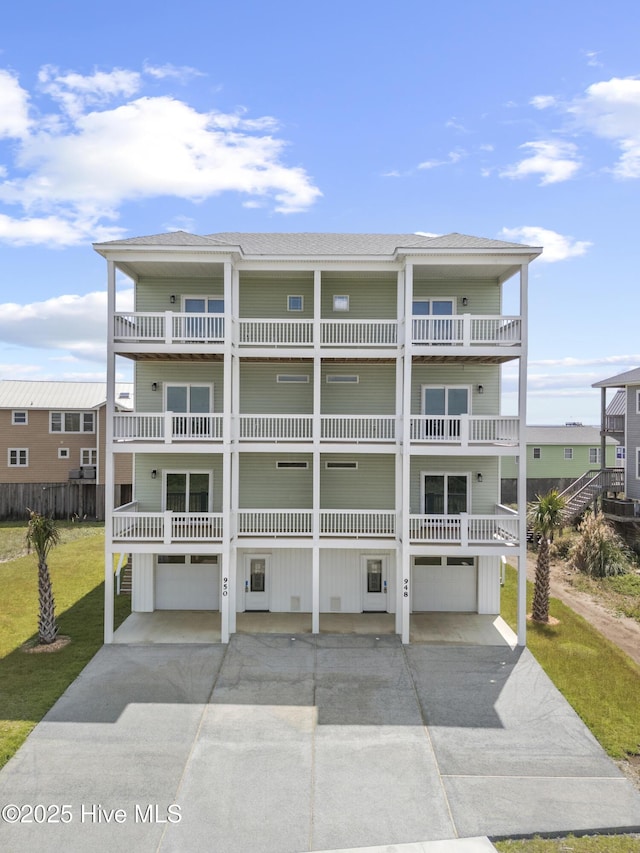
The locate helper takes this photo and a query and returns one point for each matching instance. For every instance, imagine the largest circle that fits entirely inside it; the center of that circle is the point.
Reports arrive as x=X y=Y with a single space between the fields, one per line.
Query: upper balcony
x=168 y=327
x=467 y=331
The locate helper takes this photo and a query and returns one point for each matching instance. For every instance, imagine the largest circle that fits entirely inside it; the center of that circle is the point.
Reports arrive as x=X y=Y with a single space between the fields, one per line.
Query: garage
x=187 y=582
x=441 y=584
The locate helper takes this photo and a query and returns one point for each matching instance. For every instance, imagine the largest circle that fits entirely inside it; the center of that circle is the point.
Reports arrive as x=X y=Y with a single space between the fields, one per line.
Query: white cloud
x=630 y=360
x=74 y=168
x=425 y=234
x=555 y=161
x=557 y=247
x=542 y=102
x=14 y=107
x=183 y=73
x=75 y=325
x=452 y=157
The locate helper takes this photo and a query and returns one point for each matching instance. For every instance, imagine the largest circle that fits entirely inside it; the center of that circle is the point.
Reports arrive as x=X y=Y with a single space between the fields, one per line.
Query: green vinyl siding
x=370 y=486
x=262 y=394
x=484 y=495
x=374 y=394
x=175 y=373
x=264 y=295
x=482 y=297
x=264 y=486
x=148 y=492
x=155 y=294
x=470 y=375
x=553 y=465
x=371 y=297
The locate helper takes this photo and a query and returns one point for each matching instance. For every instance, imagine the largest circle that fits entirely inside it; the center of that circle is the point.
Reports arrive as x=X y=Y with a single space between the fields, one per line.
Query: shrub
x=599 y=551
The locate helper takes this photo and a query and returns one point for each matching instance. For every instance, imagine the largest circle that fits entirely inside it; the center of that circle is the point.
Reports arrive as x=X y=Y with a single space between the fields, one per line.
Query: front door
x=256 y=583
x=374 y=581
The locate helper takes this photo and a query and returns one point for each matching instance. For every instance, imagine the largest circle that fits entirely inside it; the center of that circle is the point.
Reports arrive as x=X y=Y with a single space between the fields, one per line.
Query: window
x=445 y=494
x=637 y=402
x=292 y=465
x=72 y=422
x=18 y=457
x=443 y=407
x=88 y=456
x=638 y=463
x=340 y=303
x=188 y=491
x=292 y=377
x=594 y=456
x=568 y=453
x=19 y=418
x=537 y=453
x=203 y=305
x=434 y=307
x=341 y=466
x=343 y=378
x=295 y=303
x=63 y=453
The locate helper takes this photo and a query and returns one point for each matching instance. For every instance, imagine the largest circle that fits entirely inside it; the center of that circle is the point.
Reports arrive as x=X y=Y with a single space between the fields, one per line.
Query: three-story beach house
x=318 y=424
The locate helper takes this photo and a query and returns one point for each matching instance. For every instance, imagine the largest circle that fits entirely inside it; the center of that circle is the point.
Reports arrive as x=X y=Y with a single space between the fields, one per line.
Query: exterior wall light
x=465 y=301
x=480 y=389
x=154 y=386
x=154 y=474
x=172 y=299
x=479 y=477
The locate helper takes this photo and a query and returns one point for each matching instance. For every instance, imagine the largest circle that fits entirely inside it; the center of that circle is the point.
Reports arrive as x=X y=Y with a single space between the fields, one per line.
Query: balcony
x=334 y=428
x=465 y=529
x=464 y=430
x=338 y=522
x=130 y=525
x=467 y=331
x=166 y=427
x=168 y=327
x=276 y=427
x=333 y=333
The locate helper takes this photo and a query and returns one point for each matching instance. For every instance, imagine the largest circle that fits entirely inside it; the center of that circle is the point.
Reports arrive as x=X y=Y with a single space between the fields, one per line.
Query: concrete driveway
x=285 y=744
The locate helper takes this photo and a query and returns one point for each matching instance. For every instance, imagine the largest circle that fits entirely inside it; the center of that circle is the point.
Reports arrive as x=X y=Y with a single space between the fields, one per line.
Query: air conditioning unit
x=88 y=472
x=76 y=474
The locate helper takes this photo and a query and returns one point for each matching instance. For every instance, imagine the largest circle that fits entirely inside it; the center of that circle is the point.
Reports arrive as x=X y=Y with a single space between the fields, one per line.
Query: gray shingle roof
x=281 y=243
x=618 y=406
x=630 y=377
x=565 y=435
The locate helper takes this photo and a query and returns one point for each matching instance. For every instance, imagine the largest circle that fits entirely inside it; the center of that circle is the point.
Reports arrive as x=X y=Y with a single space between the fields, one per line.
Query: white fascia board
x=334 y=262
x=183 y=254
x=471 y=256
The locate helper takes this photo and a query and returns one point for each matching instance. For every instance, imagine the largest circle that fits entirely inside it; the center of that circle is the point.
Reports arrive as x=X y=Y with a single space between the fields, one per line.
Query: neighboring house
x=52 y=437
x=621 y=420
x=317 y=424
x=556 y=456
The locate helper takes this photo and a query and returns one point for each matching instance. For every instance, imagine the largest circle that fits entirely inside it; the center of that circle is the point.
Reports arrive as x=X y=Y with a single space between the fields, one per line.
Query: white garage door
x=442 y=587
x=187 y=586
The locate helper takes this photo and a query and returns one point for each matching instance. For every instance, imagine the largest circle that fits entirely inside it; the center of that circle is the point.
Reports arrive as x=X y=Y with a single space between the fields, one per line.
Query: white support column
x=317 y=422
x=406 y=457
x=109 y=472
x=227 y=421
x=234 y=489
x=399 y=493
x=522 y=462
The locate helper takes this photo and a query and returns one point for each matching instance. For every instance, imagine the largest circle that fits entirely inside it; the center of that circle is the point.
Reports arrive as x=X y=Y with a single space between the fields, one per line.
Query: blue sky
x=517 y=121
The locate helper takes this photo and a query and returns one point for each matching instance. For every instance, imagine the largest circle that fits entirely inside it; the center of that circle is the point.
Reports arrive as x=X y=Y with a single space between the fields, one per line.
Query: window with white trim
x=341 y=466
x=72 y=422
x=63 y=453
x=88 y=456
x=638 y=463
x=568 y=453
x=637 y=402
x=341 y=303
x=594 y=456
x=289 y=466
x=18 y=457
x=19 y=418
x=537 y=453
x=343 y=378
x=295 y=303
x=292 y=377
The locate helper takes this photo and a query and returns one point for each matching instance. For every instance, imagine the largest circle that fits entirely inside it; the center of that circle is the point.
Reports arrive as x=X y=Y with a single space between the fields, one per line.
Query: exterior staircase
x=588 y=487
x=124 y=585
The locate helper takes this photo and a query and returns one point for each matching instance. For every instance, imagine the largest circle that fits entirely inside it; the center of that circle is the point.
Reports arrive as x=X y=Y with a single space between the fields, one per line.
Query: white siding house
x=318 y=423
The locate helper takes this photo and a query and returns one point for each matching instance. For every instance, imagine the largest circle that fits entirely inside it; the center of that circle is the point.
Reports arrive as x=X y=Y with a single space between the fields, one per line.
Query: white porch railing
x=464 y=529
x=363 y=333
x=276 y=332
x=274 y=522
x=358 y=427
x=464 y=429
x=276 y=427
x=363 y=522
x=167 y=427
x=130 y=525
x=467 y=330
x=168 y=327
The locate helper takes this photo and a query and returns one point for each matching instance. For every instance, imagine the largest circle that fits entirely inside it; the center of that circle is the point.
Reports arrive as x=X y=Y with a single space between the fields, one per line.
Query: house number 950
x=225 y=586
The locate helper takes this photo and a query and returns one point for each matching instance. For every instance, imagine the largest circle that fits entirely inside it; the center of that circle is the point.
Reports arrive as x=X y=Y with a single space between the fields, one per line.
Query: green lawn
x=570 y=844
x=31 y=683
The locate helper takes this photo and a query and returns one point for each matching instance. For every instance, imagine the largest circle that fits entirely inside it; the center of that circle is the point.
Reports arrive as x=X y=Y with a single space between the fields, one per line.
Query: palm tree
x=42 y=535
x=545 y=516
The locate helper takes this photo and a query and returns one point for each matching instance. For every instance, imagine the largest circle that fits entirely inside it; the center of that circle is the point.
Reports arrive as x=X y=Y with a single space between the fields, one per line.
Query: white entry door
x=374 y=583
x=256 y=583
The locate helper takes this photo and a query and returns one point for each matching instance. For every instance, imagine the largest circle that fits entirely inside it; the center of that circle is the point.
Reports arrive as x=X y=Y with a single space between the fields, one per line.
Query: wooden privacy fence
x=60 y=500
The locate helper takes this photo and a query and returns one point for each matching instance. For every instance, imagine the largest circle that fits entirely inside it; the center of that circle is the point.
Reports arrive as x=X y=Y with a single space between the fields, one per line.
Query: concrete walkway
x=286 y=744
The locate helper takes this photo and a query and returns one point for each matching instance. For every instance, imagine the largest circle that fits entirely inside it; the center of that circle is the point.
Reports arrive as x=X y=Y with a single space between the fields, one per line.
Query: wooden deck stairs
x=591 y=485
